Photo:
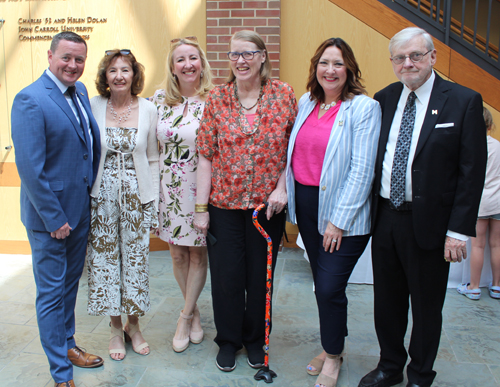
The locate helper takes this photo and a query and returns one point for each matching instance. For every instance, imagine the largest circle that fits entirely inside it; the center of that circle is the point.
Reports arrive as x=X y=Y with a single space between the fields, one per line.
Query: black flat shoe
x=378 y=378
x=226 y=359
x=255 y=358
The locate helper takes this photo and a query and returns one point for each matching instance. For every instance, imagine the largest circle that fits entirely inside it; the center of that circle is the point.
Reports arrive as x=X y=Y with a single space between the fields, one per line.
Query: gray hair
x=404 y=36
x=66 y=35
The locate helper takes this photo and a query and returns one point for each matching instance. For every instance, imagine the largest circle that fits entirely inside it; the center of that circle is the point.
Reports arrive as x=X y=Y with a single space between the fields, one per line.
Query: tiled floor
x=469 y=355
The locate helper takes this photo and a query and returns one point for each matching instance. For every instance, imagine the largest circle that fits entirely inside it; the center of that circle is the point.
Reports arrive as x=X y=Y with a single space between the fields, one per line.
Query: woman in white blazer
x=124 y=201
x=329 y=176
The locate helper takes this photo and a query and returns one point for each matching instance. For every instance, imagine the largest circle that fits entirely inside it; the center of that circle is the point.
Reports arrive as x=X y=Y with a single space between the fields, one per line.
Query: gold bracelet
x=201 y=208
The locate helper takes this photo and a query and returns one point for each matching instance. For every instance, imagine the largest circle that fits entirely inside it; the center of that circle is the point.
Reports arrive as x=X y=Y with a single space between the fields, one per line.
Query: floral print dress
x=118 y=245
x=176 y=134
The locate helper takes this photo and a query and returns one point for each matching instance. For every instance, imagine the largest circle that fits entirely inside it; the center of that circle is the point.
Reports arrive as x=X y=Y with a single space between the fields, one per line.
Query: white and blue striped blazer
x=348 y=168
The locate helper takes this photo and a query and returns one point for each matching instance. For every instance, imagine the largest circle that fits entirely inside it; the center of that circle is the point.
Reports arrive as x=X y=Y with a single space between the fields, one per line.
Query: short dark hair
x=353 y=85
x=66 y=35
x=138 y=69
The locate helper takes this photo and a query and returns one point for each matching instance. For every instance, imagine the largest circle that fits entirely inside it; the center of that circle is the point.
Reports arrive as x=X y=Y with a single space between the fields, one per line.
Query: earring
x=201 y=74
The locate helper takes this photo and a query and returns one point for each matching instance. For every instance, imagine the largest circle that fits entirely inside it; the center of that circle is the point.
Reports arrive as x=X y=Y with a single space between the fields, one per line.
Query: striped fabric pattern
x=348 y=168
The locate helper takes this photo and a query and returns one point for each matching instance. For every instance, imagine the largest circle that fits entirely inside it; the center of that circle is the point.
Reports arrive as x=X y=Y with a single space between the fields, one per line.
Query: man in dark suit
x=429 y=176
x=57 y=146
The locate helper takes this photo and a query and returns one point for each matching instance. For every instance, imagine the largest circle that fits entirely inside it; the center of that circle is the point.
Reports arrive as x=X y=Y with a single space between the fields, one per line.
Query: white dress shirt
x=423 y=94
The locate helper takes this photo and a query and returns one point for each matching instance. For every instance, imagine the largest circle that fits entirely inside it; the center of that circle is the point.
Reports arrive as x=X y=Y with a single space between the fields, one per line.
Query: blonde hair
x=173 y=95
x=488 y=120
x=255 y=38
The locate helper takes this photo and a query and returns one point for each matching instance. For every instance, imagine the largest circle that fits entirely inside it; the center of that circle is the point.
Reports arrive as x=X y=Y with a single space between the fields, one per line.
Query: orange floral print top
x=247 y=161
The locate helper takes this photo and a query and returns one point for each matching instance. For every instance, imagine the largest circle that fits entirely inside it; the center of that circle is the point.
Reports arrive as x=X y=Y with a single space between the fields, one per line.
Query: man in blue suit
x=57 y=146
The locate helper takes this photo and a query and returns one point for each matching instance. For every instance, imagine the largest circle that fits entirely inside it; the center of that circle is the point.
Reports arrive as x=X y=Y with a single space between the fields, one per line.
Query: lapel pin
x=434 y=112
x=341 y=123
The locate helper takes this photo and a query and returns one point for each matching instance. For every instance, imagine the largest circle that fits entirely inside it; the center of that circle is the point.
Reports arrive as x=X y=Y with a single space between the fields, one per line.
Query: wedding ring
x=334 y=241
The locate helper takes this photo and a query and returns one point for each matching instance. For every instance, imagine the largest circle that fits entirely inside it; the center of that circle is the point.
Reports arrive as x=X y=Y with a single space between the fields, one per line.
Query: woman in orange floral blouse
x=242 y=143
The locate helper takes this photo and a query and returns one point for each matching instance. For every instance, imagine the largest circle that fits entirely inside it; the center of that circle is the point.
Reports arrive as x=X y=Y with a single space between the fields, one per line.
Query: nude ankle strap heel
x=196 y=337
x=180 y=345
x=132 y=330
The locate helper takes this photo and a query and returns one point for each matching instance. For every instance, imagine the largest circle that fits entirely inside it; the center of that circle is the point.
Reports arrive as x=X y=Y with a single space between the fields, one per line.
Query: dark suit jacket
x=449 y=165
x=52 y=157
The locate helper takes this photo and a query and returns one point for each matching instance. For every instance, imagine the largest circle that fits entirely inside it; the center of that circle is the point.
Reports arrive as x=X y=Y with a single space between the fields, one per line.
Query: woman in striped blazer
x=329 y=175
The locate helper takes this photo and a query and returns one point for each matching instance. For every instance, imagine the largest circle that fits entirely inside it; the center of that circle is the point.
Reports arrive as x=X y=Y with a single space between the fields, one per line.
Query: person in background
x=242 y=145
x=57 y=153
x=180 y=107
x=429 y=174
x=124 y=201
x=488 y=219
x=329 y=176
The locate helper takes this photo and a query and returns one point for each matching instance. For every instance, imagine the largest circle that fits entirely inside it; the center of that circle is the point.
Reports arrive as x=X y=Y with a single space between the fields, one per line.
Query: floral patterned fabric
x=178 y=162
x=247 y=161
x=118 y=246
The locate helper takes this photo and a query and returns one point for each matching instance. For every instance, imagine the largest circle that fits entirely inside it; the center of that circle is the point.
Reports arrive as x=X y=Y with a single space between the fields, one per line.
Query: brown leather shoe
x=80 y=358
x=71 y=383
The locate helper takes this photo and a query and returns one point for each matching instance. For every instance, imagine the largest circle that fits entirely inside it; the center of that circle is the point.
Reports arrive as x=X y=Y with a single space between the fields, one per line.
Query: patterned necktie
x=398 y=175
x=83 y=122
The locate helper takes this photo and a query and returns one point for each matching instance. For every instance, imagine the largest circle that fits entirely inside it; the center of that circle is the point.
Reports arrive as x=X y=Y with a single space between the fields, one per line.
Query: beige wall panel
x=305 y=24
x=15 y=67
x=11 y=227
x=146 y=27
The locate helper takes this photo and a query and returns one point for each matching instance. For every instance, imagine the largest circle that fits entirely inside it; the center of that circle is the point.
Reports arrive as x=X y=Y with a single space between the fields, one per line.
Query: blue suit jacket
x=52 y=157
x=348 y=167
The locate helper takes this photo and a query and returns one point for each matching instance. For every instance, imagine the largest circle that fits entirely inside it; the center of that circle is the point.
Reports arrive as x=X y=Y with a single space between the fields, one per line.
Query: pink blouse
x=310 y=146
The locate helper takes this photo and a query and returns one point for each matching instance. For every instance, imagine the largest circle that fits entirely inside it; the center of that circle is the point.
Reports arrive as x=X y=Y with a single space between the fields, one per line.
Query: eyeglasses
x=191 y=38
x=247 y=55
x=123 y=52
x=414 y=57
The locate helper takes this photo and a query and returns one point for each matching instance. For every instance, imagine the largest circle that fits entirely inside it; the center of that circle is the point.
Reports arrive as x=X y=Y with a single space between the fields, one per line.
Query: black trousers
x=403 y=271
x=331 y=271
x=238 y=268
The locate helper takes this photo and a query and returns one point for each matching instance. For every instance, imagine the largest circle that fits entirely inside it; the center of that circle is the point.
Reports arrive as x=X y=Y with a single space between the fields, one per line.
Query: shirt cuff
x=456 y=235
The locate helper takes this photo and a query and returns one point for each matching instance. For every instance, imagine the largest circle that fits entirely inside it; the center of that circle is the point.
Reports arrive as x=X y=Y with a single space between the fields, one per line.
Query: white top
x=490 y=201
x=145 y=153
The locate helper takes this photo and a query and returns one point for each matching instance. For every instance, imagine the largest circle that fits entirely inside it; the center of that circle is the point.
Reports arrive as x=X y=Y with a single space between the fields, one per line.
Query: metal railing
x=470 y=27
